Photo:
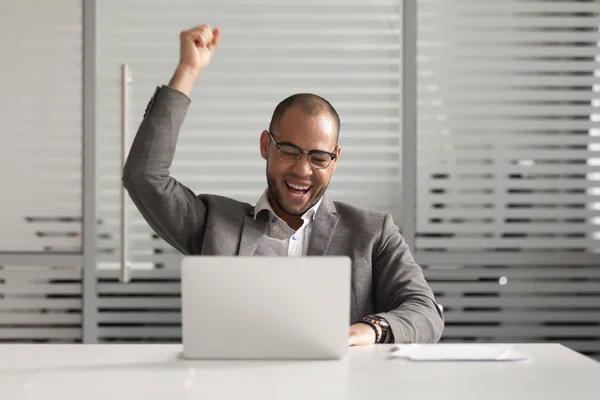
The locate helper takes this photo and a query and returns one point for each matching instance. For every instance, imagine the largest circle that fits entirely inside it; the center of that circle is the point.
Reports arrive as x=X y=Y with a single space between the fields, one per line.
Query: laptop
x=265 y=307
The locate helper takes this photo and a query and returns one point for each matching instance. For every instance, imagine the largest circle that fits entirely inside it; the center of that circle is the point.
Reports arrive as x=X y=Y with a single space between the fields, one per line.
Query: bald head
x=309 y=103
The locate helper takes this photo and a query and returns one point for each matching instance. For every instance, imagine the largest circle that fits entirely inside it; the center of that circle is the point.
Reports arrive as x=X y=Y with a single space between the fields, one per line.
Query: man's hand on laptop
x=362 y=334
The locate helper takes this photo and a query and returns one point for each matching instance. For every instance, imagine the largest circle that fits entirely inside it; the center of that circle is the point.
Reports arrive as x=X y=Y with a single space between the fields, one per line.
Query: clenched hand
x=196 y=48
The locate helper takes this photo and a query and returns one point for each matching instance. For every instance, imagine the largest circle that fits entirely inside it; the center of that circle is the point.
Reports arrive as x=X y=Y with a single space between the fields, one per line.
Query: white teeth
x=297 y=187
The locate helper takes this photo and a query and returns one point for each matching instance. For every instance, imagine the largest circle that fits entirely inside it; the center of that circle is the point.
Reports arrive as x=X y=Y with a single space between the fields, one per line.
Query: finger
x=201 y=39
x=352 y=341
x=202 y=35
x=194 y=37
x=216 y=37
x=207 y=34
x=204 y=28
x=359 y=341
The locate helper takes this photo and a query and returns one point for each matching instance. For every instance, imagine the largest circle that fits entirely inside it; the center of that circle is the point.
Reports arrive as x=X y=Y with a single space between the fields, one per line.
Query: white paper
x=457 y=352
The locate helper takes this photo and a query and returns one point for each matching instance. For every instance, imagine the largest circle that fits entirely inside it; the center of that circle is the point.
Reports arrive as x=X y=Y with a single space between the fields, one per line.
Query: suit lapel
x=252 y=231
x=324 y=226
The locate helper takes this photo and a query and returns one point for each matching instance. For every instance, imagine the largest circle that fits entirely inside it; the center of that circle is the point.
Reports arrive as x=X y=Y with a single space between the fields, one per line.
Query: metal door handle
x=125 y=275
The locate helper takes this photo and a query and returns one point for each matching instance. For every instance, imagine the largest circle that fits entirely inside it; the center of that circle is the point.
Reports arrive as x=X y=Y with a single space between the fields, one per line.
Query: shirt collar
x=263 y=204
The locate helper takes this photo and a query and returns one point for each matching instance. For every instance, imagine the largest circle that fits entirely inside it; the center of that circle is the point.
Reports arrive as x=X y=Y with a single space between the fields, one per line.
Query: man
x=391 y=301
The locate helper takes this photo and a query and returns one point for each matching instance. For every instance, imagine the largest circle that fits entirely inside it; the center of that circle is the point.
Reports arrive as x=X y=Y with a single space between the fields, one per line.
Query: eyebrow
x=298 y=147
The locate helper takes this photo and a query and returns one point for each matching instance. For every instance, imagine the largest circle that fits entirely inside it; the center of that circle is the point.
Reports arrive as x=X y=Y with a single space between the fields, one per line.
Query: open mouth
x=296 y=190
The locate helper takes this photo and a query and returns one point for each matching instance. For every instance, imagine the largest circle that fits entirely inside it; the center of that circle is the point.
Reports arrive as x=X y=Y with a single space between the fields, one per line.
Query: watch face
x=381 y=321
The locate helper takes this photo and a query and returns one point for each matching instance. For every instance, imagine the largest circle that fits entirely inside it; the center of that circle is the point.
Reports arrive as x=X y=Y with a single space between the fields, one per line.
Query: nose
x=302 y=167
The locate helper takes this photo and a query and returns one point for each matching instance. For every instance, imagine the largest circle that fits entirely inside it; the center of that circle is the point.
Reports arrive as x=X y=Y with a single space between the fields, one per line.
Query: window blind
x=40 y=138
x=508 y=97
x=507 y=141
x=40 y=304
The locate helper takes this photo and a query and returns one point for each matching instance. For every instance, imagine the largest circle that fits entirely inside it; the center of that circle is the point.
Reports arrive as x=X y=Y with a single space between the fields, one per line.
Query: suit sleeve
x=169 y=207
x=401 y=293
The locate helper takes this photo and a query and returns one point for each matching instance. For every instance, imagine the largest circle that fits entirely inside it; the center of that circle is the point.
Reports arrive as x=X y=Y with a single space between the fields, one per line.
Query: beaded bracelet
x=372 y=325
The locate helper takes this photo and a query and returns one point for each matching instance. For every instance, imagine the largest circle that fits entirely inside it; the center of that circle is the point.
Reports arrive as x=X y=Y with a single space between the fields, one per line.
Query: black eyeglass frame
x=332 y=156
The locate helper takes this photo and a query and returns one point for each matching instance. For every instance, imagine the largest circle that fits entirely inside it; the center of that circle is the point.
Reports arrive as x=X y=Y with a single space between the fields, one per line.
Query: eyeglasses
x=289 y=153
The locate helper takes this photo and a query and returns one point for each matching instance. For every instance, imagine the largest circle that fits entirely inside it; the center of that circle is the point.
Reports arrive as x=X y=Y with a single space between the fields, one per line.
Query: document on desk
x=457 y=352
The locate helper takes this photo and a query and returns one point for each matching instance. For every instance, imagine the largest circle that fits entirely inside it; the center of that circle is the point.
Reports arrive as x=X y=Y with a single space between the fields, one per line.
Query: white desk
x=148 y=372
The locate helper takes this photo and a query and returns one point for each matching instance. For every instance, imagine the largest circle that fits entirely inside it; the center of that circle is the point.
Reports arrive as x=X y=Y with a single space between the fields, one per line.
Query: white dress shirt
x=279 y=238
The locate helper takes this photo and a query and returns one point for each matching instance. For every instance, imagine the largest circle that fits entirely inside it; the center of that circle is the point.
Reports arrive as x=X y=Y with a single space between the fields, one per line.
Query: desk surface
x=148 y=372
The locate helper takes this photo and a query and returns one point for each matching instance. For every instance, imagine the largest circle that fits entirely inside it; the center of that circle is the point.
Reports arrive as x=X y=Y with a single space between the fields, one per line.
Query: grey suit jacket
x=385 y=278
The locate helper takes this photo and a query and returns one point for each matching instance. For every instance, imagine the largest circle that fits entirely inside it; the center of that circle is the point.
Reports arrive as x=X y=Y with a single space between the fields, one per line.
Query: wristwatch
x=382 y=323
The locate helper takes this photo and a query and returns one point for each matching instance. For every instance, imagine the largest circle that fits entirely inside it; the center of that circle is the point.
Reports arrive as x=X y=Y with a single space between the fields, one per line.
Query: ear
x=265 y=141
x=337 y=158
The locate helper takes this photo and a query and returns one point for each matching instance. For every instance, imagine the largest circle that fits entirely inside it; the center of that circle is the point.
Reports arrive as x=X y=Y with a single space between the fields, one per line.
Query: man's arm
x=169 y=207
x=401 y=291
